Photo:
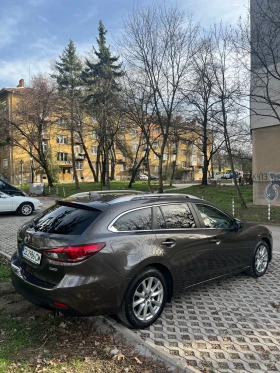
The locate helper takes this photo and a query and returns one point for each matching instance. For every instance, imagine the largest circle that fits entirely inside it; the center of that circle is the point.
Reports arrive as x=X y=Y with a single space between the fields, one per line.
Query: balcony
x=80 y=156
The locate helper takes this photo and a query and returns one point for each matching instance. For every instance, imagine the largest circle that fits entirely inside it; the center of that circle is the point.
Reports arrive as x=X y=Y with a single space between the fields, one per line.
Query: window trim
x=214 y=207
x=114 y=230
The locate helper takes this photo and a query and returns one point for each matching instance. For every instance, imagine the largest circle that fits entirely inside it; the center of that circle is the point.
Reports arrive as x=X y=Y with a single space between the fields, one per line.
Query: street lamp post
x=21 y=170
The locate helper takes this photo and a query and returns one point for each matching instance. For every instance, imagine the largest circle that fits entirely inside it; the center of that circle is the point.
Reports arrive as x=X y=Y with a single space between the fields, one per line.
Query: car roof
x=101 y=201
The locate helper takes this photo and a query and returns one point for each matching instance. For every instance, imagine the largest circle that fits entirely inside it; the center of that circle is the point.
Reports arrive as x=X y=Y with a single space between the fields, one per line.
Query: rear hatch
x=58 y=227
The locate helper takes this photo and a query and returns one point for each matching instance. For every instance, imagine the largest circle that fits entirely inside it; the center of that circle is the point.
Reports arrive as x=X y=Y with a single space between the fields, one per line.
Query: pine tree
x=100 y=78
x=68 y=77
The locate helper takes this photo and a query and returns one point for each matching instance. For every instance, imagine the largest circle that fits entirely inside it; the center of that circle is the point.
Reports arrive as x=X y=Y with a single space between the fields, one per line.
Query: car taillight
x=74 y=254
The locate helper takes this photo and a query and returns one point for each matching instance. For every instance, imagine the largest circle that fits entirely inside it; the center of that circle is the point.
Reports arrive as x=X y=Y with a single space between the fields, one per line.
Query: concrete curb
x=176 y=362
x=7 y=256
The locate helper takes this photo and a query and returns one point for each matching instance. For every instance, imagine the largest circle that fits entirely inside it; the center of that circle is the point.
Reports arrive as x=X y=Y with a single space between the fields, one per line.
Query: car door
x=229 y=248
x=184 y=243
x=6 y=202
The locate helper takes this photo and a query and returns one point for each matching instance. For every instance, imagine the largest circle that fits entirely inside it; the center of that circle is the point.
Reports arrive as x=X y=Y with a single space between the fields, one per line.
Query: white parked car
x=22 y=205
x=143 y=177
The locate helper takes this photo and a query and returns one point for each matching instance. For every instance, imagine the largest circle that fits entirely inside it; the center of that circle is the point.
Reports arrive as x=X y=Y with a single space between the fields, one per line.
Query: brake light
x=74 y=254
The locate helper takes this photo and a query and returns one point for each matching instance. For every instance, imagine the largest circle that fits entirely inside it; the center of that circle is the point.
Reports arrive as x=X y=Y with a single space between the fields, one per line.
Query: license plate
x=31 y=255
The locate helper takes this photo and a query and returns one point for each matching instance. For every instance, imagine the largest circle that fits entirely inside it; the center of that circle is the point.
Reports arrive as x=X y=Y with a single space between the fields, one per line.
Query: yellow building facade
x=17 y=166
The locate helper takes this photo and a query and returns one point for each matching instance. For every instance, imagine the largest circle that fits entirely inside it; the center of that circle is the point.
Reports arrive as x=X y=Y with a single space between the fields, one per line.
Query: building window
x=94 y=150
x=155 y=156
x=183 y=164
x=184 y=153
x=79 y=165
x=93 y=135
x=61 y=139
x=79 y=149
x=155 y=168
x=134 y=146
x=44 y=146
x=155 y=143
x=62 y=156
x=156 y=130
x=61 y=122
x=3 y=106
x=133 y=132
x=5 y=163
x=165 y=157
x=122 y=167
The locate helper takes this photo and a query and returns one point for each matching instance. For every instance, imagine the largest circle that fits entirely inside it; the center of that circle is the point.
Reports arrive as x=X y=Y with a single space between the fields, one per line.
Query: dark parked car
x=129 y=255
x=10 y=189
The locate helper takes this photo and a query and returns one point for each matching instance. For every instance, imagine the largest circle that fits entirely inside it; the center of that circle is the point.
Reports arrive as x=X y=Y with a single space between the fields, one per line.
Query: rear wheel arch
x=266 y=240
x=168 y=277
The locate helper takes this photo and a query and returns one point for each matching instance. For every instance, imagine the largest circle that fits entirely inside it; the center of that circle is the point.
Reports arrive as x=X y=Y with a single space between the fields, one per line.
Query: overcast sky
x=34 y=32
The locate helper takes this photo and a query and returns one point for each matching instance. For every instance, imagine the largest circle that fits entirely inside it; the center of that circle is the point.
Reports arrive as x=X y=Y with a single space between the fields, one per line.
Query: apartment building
x=265 y=101
x=17 y=166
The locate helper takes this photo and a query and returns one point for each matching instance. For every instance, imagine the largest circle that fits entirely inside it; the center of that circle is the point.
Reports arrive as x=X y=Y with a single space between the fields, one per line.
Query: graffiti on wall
x=271 y=190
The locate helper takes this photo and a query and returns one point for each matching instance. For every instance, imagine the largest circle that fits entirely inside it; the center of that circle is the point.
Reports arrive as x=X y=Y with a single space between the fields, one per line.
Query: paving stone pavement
x=231 y=325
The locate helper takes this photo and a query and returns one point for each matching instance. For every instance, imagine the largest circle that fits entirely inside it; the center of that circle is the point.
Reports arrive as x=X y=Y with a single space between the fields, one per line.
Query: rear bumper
x=86 y=297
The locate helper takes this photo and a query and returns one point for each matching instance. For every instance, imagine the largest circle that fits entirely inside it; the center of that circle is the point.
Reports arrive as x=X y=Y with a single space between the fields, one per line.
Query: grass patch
x=4 y=270
x=222 y=196
x=35 y=340
x=69 y=188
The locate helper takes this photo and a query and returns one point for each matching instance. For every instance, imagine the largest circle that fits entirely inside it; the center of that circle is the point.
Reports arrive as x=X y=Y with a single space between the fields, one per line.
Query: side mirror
x=237 y=224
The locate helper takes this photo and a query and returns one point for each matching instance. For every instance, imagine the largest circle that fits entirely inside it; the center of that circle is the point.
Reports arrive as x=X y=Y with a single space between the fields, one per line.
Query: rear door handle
x=215 y=240
x=169 y=242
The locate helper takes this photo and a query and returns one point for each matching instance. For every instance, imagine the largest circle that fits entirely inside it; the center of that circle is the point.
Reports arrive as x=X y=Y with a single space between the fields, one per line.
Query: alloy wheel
x=148 y=298
x=261 y=258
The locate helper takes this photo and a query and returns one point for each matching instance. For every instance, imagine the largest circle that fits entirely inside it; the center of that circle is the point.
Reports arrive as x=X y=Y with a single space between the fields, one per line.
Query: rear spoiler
x=77 y=205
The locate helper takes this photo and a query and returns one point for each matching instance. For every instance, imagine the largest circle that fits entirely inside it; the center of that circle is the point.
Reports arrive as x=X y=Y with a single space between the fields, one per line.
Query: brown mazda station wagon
x=129 y=255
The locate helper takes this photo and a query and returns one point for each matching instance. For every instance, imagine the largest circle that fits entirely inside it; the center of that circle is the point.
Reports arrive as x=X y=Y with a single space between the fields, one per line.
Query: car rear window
x=65 y=220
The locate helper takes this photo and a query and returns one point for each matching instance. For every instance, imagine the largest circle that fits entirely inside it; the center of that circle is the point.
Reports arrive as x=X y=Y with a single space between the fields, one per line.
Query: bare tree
x=227 y=87
x=32 y=122
x=159 y=43
x=258 y=45
x=202 y=103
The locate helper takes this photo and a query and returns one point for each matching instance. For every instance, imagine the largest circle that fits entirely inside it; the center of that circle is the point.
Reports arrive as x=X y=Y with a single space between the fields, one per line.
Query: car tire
x=260 y=260
x=141 y=311
x=25 y=209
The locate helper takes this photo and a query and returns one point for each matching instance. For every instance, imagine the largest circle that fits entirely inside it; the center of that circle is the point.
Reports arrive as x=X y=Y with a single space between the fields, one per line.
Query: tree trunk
x=160 y=180
x=134 y=172
x=50 y=179
x=74 y=161
x=228 y=146
x=205 y=155
x=88 y=159
x=173 y=172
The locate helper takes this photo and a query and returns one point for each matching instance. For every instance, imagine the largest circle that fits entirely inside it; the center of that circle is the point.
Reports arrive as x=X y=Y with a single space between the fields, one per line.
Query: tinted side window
x=213 y=218
x=137 y=220
x=175 y=216
x=2 y=185
x=65 y=220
